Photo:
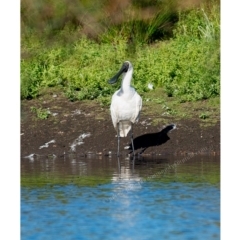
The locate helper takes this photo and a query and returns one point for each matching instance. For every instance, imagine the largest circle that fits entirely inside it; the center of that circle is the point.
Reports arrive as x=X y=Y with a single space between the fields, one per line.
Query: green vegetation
x=41 y=113
x=185 y=169
x=78 y=47
x=191 y=170
x=161 y=108
x=204 y=115
x=43 y=180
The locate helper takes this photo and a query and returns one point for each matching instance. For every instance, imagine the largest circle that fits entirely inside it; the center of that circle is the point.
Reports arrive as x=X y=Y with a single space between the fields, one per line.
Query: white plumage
x=126 y=103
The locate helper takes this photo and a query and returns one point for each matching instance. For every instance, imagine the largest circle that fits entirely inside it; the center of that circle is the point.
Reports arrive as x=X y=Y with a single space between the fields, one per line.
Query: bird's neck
x=126 y=82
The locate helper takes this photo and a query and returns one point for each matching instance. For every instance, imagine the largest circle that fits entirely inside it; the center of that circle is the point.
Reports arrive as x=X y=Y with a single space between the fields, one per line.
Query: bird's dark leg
x=119 y=165
x=133 y=148
x=118 y=136
x=132 y=142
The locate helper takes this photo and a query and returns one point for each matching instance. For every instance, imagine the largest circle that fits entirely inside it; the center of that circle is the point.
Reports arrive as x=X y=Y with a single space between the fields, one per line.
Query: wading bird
x=126 y=104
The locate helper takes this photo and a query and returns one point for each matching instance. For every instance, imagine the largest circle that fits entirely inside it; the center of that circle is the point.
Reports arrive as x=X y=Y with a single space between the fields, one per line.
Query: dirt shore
x=84 y=127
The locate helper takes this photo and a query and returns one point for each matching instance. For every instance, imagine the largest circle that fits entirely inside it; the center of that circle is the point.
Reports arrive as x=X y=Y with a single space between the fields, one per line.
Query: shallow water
x=73 y=197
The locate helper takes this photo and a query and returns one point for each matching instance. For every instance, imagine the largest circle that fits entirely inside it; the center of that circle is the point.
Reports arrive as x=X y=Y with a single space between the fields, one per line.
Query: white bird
x=126 y=104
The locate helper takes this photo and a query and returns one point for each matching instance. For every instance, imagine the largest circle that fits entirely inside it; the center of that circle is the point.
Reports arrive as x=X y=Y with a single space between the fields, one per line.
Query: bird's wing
x=138 y=108
x=114 y=110
x=124 y=126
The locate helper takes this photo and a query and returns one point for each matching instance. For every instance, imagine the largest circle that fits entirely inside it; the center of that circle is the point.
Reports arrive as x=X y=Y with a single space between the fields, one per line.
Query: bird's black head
x=123 y=69
x=125 y=66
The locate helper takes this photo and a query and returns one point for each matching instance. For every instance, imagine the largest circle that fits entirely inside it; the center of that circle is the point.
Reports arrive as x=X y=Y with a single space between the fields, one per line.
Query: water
x=91 y=198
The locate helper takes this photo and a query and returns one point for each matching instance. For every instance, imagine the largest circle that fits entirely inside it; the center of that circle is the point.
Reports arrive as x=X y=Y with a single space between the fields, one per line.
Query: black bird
x=150 y=139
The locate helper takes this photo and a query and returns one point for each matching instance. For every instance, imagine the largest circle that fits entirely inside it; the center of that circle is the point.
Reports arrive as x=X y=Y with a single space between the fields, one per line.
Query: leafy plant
x=41 y=113
x=185 y=62
x=204 y=115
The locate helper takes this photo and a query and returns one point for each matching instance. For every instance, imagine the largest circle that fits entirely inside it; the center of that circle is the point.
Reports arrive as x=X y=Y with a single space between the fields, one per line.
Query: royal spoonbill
x=126 y=104
x=150 y=139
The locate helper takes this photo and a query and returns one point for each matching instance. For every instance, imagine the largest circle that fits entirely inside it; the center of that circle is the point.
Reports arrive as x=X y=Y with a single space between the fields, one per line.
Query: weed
x=41 y=113
x=168 y=110
x=204 y=115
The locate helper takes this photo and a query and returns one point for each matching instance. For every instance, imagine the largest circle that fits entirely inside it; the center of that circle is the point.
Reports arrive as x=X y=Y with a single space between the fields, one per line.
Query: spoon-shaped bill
x=124 y=68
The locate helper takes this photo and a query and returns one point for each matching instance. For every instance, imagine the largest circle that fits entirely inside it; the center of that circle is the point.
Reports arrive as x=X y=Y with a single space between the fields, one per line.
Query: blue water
x=125 y=208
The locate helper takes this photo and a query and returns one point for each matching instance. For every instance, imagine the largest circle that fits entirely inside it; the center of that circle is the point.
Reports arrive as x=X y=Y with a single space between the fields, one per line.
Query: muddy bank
x=85 y=128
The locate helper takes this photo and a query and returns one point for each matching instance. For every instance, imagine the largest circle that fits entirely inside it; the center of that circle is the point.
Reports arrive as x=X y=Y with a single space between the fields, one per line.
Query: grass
x=157 y=103
x=177 y=52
